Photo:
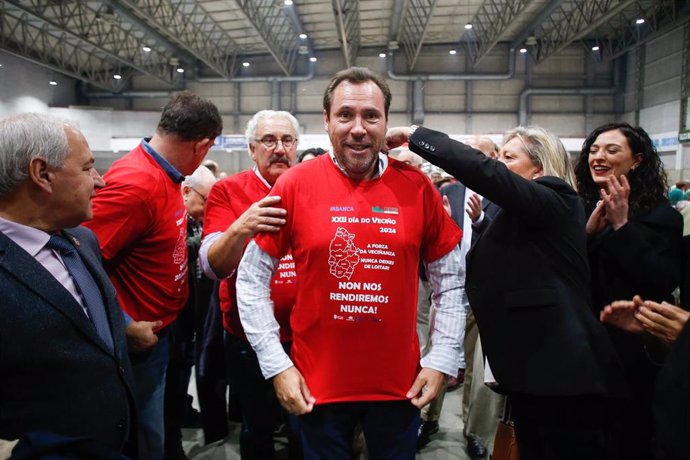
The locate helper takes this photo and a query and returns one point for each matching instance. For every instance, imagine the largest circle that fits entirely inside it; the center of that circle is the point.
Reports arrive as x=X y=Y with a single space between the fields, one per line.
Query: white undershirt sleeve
x=256 y=309
x=447 y=279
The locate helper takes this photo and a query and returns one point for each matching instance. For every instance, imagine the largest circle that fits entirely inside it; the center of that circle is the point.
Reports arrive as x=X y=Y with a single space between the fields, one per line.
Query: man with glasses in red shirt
x=237 y=209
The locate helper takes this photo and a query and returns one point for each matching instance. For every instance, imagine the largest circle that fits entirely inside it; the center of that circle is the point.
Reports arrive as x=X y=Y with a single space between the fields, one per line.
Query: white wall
x=24 y=87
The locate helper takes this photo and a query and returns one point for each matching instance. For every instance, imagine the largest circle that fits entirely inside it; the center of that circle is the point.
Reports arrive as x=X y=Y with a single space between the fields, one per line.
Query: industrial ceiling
x=105 y=43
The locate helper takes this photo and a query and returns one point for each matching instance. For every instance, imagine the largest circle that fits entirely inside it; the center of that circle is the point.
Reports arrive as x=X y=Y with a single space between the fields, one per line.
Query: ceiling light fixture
x=245 y=64
x=117 y=76
x=179 y=70
x=468 y=26
x=52 y=83
x=382 y=55
x=452 y=52
x=146 y=49
x=639 y=21
x=288 y=2
x=313 y=59
x=302 y=36
x=595 y=48
x=523 y=50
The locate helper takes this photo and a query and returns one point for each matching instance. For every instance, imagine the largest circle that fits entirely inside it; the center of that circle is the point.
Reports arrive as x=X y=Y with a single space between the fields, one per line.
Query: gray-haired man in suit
x=64 y=361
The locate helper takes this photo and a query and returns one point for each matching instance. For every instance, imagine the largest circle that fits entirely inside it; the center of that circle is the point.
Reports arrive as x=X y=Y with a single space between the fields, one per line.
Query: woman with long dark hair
x=634 y=248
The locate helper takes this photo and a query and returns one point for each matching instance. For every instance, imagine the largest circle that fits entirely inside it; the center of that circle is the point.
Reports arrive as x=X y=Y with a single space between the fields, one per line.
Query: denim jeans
x=149 y=381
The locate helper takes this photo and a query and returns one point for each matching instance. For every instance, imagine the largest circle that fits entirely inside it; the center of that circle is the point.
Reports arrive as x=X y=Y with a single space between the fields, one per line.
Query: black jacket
x=528 y=279
x=56 y=373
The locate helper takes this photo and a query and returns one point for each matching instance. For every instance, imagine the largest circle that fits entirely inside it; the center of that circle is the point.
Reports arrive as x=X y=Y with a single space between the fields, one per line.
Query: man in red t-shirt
x=356 y=224
x=237 y=209
x=141 y=224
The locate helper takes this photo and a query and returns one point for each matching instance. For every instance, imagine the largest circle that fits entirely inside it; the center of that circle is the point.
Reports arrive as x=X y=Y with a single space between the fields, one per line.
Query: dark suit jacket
x=57 y=375
x=490 y=210
x=456 y=197
x=528 y=279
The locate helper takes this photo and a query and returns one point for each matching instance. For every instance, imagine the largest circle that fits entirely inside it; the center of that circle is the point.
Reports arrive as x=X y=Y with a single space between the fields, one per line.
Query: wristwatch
x=413 y=128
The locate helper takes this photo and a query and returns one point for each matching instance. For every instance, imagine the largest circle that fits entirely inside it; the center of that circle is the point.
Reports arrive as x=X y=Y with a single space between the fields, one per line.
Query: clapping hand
x=474 y=207
x=615 y=200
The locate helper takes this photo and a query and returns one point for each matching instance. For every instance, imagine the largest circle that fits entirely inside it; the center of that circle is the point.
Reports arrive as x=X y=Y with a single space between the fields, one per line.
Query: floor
x=447 y=444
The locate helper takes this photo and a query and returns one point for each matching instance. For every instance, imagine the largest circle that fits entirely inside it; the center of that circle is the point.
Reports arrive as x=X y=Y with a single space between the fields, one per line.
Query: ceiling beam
x=488 y=25
x=187 y=24
x=347 y=22
x=621 y=33
x=415 y=24
x=573 y=20
x=276 y=30
x=24 y=37
x=104 y=32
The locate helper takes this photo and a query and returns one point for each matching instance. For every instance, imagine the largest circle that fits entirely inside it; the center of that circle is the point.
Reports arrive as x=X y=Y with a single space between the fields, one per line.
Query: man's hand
x=425 y=387
x=474 y=207
x=446 y=205
x=292 y=392
x=395 y=137
x=663 y=320
x=261 y=216
x=622 y=314
x=225 y=253
x=140 y=335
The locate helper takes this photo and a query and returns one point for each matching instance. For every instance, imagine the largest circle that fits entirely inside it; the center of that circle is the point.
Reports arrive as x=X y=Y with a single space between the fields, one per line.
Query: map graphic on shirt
x=180 y=254
x=343 y=255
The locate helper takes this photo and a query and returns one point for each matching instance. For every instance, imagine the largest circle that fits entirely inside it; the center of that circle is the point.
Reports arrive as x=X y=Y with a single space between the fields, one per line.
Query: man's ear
x=41 y=174
x=326 y=120
x=203 y=146
x=252 y=154
x=186 y=190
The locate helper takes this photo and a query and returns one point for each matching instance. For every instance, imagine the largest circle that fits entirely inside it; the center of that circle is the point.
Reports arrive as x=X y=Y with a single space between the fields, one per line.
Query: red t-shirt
x=356 y=247
x=140 y=221
x=228 y=200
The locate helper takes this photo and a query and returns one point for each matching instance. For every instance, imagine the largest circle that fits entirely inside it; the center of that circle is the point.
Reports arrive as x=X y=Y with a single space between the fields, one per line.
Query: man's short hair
x=316 y=151
x=27 y=136
x=250 y=133
x=190 y=118
x=356 y=75
x=201 y=176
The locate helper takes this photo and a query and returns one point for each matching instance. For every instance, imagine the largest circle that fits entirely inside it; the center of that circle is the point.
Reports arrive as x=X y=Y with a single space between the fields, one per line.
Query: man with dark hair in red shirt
x=140 y=221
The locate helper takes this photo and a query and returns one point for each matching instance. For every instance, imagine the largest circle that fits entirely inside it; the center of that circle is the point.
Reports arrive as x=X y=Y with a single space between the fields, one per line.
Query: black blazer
x=456 y=198
x=528 y=279
x=57 y=375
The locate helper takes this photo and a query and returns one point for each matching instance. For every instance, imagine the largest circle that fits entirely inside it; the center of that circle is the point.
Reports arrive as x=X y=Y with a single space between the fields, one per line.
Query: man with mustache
x=237 y=209
x=357 y=225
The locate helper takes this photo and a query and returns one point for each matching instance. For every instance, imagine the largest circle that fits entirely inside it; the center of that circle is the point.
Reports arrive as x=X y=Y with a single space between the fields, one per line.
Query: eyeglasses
x=270 y=142
x=204 y=198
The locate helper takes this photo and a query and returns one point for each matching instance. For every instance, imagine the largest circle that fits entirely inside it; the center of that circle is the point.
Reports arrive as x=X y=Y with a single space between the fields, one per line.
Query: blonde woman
x=528 y=286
